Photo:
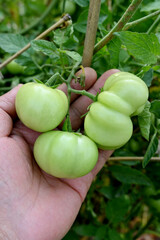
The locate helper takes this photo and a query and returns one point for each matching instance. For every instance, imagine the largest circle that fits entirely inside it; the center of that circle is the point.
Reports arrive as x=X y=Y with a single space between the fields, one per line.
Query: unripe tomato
x=15 y=68
x=65 y=154
x=39 y=107
x=70 y=7
x=108 y=122
x=134 y=145
x=151 y=195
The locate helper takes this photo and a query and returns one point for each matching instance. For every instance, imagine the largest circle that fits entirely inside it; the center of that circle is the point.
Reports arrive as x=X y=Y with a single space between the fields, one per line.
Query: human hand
x=33 y=204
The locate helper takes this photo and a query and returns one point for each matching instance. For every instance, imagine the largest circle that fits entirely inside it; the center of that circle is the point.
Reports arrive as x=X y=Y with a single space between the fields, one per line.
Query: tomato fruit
x=152 y=198
x=15 y=68
x=70 y=7
x=134 y=146
x=108 y=122
x=65 y=154
x=39 y=107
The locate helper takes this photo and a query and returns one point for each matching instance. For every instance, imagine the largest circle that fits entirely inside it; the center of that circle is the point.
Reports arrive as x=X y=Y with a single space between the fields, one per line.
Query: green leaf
x=151 y=6
x=85 y=230
x=148 y=77
x=101 y=232
x=67 y=127
x=44 y=46
x=129 y=175
x=37 y=80
x=152 y=148
x=12 y=43
x=114 y=50
x=155 y=108
x=144 y=120
x=61 y=36
x=107 y=192
x=142 y=46
x=74 y=55
x=114 y=235
x=117 y=208
x=82 y=3
x=81 y=23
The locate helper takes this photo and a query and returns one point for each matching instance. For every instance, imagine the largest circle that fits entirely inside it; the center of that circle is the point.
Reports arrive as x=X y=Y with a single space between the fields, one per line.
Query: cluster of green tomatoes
x=107 y=124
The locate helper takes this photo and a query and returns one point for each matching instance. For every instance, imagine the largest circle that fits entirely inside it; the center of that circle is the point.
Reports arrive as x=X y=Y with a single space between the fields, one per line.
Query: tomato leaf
x=82 y=3
x=61 y=36
x=67 y=125
x=114 y=50
x=117 y=208
x=113 y=234
x=144 y=120
x=74 y=55
x=142 y=46
x=44 y=46
x=129 y=175
x=148 y=77
x=85 y=230
x=12 y=43
x=151 y=6
x=152 y=148
x=155 y=108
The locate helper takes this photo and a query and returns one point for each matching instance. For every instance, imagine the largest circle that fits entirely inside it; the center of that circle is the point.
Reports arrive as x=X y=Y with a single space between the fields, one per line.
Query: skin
x=34 y=205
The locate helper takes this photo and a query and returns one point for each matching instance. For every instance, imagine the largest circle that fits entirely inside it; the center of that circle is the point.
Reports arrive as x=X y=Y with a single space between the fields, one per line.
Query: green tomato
x=151 y=193
x=108 y=122
x=65 y=154
x=39 y=107
x=134 y=145
x=15 y=68
x=70 y=7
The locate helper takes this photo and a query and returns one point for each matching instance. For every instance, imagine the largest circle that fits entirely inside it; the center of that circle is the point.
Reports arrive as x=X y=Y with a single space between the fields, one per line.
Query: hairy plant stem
x=44 y=15
x=85 y=93
x=119 y=26
x=71 y=90
x=140 y=20
x=54 y=26
x=154 y=24
x=92 y=23
x=81 y=92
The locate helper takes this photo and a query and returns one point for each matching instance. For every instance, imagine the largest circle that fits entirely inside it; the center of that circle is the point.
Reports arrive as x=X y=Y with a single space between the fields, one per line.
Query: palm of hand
x=35 y=205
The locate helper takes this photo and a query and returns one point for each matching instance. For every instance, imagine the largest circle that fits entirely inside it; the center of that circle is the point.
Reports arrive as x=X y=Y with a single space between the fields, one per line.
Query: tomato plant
x=65 y=154
x=108 y=122
x=129 y=43
x=39 y=107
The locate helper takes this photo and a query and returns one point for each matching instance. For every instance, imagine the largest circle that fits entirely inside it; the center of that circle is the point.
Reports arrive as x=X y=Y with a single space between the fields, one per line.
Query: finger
x=90 y=79
x=79 y=107
x=7 y=101
x=7 y=109
x=5 y=124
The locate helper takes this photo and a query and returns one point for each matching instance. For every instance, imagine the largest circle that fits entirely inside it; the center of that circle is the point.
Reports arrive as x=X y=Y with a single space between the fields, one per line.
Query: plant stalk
x=134 y=23
x=119 y=26
x=153 y=25
x=92 y=24
x=153 y=159
x=84 y=93
x=54 y=26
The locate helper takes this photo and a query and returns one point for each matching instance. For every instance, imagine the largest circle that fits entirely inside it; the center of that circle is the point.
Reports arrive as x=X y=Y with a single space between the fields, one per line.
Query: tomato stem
x=85 y=93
